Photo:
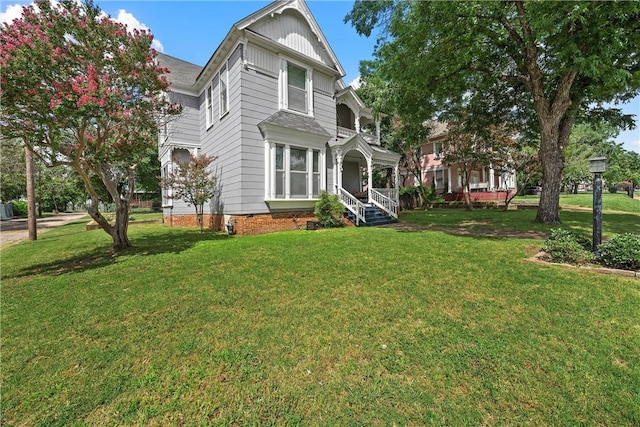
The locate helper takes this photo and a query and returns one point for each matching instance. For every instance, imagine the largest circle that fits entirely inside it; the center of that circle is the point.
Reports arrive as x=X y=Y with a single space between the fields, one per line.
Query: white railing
x=353 y=204
x=391 y=193
x=348 y=133
x=478 y=185
x=387 y=204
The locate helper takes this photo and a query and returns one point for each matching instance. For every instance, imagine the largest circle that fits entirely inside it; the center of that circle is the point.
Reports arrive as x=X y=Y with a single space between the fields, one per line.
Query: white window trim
x=209 y=104
x=283 y=86
x=270 y=172
x=223 y=111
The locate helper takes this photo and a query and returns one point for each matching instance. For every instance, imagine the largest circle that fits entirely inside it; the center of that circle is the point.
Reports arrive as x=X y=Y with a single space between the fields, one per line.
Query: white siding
x=293 y=31
x=323 y=83
x=262 y=59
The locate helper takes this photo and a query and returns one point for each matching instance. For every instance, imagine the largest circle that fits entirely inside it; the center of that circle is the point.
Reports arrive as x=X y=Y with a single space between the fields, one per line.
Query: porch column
x=492 y=180
x=369 y=178
x=449 y=190
x=338 y=171
x=396 y=183
x=357 y=124
x=269 y=178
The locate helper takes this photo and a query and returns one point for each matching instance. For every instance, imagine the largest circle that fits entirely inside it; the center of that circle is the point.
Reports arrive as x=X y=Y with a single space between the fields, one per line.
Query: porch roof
x=378 y=155
x=285 y=119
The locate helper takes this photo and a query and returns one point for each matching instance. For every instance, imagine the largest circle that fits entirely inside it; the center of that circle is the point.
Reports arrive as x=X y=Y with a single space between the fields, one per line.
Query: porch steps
x=373 y=216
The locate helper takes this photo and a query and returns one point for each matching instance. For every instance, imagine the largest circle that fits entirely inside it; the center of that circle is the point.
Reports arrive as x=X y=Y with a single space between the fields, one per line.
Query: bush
x=329 y=210
x=566 y=246
x=621 y=251
x=19 y=208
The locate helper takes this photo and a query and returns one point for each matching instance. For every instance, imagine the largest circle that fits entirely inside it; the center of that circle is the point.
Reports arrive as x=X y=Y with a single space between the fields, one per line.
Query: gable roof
x=280 y=6
x=183 y=73
x=241 y=28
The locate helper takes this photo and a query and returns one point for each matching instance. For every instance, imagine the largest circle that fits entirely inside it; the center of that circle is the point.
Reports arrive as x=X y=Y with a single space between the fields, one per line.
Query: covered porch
x=356 y=159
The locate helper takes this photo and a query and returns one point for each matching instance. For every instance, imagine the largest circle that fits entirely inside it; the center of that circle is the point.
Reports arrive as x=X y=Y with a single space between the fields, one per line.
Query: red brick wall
x=248 y=224
x=270 y=222
x=214 y=222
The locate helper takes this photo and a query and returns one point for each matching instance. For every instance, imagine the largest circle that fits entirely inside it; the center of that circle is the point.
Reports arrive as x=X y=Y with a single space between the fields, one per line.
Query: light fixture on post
x=597 y=167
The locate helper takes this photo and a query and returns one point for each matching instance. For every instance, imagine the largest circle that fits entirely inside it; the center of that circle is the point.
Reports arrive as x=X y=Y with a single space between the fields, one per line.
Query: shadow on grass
x=104 y=255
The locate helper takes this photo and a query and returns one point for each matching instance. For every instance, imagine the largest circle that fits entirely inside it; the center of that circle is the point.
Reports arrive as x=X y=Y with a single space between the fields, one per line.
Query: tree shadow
x=104 y=255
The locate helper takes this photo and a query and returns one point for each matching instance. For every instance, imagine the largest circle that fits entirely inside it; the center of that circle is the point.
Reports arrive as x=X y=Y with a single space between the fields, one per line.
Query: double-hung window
x=224 y=90
x=437 y=150
x=297 y=88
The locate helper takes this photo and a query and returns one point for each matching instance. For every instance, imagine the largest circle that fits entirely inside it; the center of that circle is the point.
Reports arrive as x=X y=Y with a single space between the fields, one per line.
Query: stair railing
x=387 y=204
x=353 y=204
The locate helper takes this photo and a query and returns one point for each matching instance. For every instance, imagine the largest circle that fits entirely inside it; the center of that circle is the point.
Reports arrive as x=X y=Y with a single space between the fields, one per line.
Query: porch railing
x=353 y=204
x=348 y=133
x=385 y=202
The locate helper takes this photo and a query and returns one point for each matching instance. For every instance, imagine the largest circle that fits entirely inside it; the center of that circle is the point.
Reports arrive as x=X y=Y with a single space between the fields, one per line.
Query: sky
x=192 y=30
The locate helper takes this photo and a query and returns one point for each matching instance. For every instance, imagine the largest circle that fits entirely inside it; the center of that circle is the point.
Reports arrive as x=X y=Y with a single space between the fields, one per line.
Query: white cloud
x=132 y=23
x=14 y=11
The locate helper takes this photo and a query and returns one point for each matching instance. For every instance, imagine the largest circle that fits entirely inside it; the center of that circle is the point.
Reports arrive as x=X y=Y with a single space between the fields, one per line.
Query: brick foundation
x=248 y=224
x=271 y=222
x=214 y=222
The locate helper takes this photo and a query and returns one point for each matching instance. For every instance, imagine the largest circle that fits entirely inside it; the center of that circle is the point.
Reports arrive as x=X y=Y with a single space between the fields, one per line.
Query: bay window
x=295 y=172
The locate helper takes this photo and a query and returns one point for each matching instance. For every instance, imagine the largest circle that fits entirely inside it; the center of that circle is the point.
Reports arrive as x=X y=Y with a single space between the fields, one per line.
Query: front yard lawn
x=352 y=326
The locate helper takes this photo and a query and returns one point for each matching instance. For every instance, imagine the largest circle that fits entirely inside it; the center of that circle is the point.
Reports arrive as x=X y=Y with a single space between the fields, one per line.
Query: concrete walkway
x=15 y=230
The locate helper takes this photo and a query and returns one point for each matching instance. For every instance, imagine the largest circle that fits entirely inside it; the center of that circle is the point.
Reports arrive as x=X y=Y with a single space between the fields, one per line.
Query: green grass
x=610 y=201
x=621 y=214
x=335 y=327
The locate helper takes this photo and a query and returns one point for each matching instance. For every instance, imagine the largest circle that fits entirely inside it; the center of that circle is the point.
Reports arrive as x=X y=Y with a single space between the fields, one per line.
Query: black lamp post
x=598 y=165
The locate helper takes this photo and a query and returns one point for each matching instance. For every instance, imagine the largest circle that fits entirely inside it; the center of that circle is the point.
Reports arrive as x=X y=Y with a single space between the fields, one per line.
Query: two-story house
x=485 y=183
x=271 y=105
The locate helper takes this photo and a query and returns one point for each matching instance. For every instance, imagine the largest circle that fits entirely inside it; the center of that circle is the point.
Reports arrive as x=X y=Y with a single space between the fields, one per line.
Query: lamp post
x=597 y=166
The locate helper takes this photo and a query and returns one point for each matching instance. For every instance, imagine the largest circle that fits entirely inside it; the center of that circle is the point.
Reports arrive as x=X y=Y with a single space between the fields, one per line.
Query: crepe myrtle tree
x=193 y=182
x=81 y=90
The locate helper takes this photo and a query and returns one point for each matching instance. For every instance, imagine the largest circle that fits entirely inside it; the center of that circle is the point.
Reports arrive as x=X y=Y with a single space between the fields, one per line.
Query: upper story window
x=224 y=91
x=437 y=150
x=297 y=88
x=209 y=103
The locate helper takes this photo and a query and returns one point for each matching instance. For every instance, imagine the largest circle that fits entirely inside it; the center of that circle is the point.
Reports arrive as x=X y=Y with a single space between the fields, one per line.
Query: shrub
x=621 y=251
x=19 y=208
x=329 y=210
x=566 y=246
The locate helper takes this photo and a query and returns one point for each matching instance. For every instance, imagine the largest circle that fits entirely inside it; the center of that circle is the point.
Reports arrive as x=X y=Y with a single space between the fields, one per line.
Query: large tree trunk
x=552 y=167
x=119 y=231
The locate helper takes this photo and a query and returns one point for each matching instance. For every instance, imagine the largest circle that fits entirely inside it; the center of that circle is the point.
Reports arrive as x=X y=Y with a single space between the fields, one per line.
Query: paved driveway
x=13 y=230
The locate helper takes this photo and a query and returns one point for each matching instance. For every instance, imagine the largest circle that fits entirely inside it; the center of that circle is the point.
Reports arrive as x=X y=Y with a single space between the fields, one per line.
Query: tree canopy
x=82 y=90
x=541 y=66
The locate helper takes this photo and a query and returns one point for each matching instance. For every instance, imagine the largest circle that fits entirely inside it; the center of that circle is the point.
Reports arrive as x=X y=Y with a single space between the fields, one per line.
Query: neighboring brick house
x=271 y=105
x=485 y=183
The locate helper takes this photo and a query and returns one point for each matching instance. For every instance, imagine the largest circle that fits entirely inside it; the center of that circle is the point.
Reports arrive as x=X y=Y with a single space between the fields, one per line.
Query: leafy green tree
x=193 y=182
x=13 y=179
x=58 y=187
x=540 y=65
x=82 y=91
